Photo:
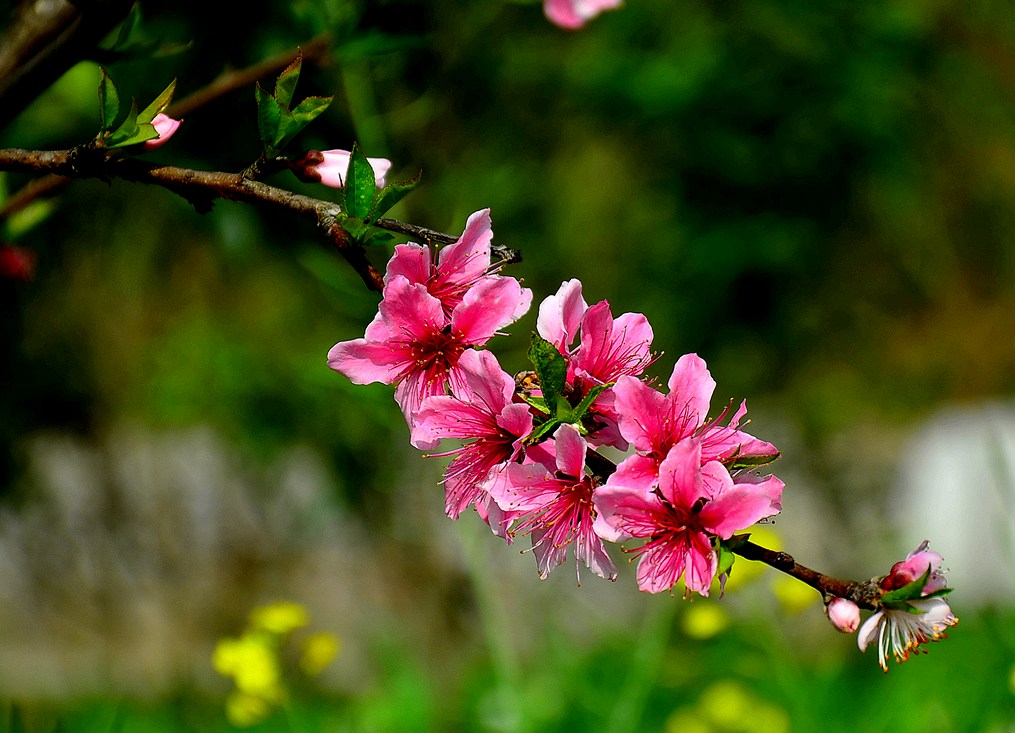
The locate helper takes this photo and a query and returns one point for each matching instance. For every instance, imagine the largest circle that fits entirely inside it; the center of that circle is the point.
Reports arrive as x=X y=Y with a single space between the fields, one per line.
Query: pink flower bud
x=915 y=566
x=331 y=167
x=17 y=263
x=844 y=614
x=166 y=127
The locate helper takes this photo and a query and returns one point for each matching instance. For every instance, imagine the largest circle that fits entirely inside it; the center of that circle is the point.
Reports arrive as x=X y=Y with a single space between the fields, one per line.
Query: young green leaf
x=552 y=371
x=158 y=105
x=579 y=412
x=391 y=195
x=124 y=134
x=129 y=28
x=109 y=101
x=307 y=111
x=285 y=85
x=269 y=120
x=360 y=185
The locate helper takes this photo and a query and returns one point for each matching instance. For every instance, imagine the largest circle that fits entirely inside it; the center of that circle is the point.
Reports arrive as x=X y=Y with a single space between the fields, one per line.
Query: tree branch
x=864 y=594
x=314 y=50
x=200 y=188
x=44 y=40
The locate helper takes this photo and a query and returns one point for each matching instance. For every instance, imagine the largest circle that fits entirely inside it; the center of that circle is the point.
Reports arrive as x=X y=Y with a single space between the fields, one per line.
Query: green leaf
x=360 y=185
x=158 y=105
x=579 y=412
x=726 y=559
x=538 y=403
x=269 y=120
x=551 y=368
x=391 y=195
x=285 y=85
x=128 y=129
x=308 y=110
x=751 y=461
x=541 y=431
x=128 y=29
x=109 y=101
x=357 y=229
x=909 y=592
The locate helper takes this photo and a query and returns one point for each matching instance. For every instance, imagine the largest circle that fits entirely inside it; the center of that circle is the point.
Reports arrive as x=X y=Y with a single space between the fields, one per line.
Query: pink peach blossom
x=554 y=506
x=654 y=422
x=694 y=503
x=482 y=413
x=449 y=272
x=412 y=343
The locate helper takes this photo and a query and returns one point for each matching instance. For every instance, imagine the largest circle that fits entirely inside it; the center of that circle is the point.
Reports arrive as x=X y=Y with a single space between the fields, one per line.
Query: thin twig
x=200 y=188
x=864 y=594
x=314 y=51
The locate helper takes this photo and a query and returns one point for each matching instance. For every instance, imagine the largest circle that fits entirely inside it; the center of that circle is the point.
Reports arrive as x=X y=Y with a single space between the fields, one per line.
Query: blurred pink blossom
x=573 y=14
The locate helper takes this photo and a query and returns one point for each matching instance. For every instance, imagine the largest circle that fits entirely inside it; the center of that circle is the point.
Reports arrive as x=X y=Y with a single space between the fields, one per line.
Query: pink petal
x=560 y=315
x=442 y=417
x=680 y=479
x=570 y=451
x=411 y=261
x=487 y=383
x=612 y=348
x=701 y=563
x=692 y=384
x=661 y=566
x=409 y=311
x=642 y=411
x=523 y=488
x=487 y=307
x=741 y=505
x=516 y=420
x=166 y=127
x=573 y=14
x=469 y=258
x=636 y=472
x=365 y=361
x=625 y=512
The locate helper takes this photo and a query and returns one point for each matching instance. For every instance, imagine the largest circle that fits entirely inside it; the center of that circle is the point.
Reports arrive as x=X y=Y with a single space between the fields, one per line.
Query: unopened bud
x=331 y=167
x=844 y=614
x=166 y=127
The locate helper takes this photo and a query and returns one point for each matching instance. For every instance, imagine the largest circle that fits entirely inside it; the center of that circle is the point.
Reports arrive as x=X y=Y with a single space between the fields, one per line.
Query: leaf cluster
x=136 y=128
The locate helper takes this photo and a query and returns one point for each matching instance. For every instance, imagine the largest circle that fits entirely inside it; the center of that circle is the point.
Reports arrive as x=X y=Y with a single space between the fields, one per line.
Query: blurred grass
x=746 y=679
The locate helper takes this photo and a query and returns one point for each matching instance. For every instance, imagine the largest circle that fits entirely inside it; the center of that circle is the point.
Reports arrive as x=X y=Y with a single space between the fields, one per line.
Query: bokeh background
x=817 y=198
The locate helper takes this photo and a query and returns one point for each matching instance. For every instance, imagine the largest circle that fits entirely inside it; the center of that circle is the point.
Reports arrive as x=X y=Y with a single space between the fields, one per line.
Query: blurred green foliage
x=746 y=680
x=819 y=198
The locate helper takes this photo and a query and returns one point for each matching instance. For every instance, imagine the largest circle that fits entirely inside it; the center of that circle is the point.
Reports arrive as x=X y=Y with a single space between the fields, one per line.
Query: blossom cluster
x=526 y=456
x=911 y=611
